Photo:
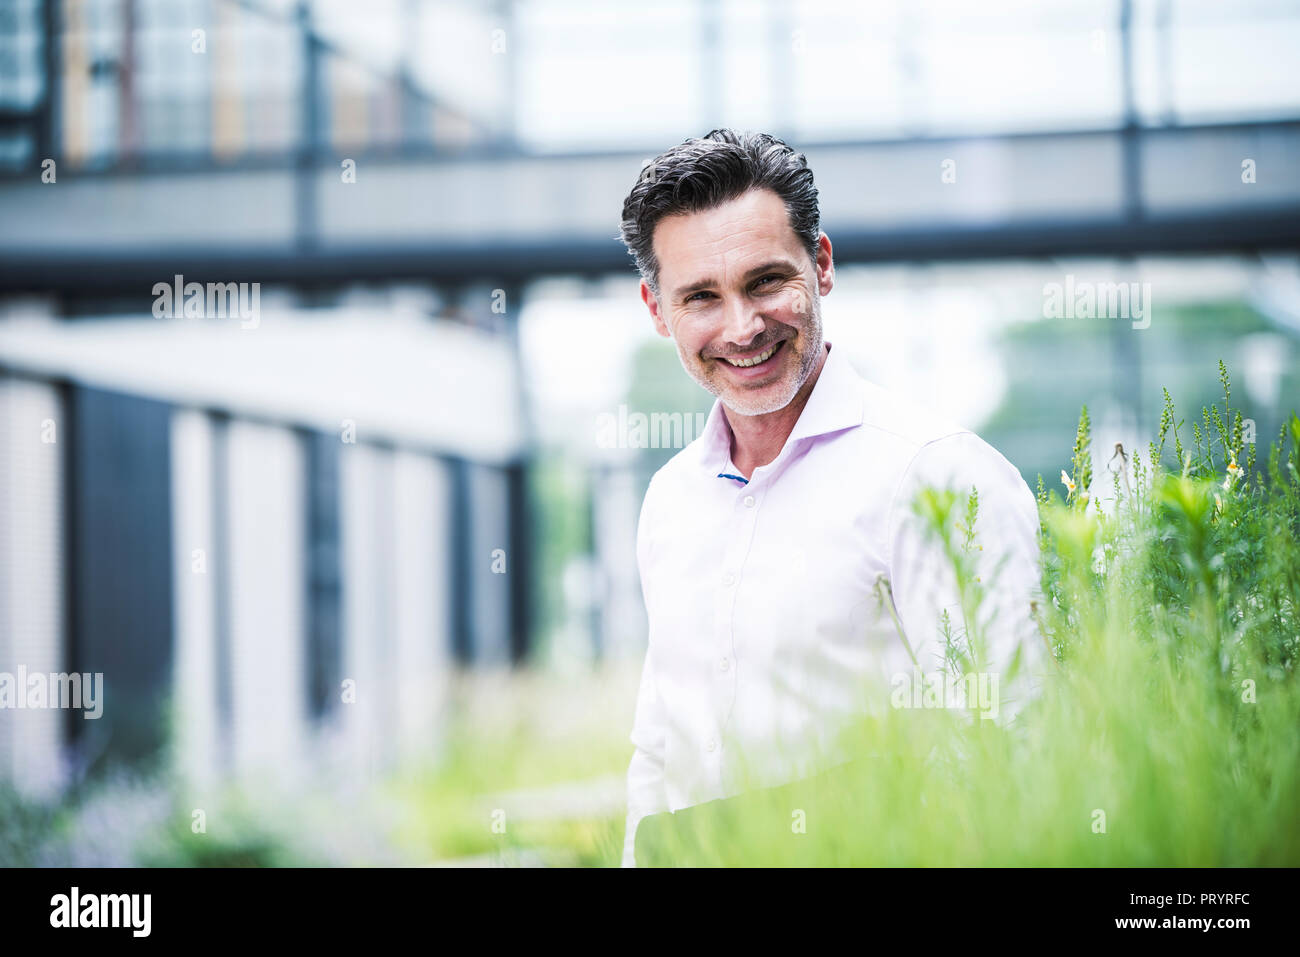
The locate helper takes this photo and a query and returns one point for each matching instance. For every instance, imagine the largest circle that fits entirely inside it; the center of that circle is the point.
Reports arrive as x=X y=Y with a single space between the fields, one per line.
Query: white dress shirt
x=766 y=625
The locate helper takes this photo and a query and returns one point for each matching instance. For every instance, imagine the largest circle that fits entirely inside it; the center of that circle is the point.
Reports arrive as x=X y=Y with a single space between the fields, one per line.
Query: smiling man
x=787 y=579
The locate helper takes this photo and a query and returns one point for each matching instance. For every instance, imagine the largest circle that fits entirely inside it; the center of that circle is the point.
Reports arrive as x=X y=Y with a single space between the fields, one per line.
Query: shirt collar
x=836 y=403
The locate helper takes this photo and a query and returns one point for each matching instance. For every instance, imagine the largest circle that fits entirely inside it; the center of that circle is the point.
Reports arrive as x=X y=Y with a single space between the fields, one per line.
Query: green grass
x=524 y=742
x=449 y=813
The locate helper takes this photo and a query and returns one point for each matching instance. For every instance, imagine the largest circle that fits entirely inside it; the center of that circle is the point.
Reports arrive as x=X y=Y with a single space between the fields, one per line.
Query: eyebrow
x=776 y=265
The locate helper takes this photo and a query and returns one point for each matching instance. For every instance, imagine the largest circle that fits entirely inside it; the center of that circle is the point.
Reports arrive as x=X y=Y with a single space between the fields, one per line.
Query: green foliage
x=22 y=823
x=246 y=844
x=952 y=520
x=1081 y=462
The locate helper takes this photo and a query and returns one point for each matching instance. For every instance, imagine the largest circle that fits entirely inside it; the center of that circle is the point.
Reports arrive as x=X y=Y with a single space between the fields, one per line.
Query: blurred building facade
x=274 y=545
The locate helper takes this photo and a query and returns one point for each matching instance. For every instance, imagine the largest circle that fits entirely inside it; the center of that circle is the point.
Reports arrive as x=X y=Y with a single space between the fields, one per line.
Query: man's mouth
x=755 y=362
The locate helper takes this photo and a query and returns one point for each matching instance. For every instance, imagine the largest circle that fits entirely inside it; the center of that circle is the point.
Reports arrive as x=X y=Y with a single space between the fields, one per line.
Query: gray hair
x=704 y=173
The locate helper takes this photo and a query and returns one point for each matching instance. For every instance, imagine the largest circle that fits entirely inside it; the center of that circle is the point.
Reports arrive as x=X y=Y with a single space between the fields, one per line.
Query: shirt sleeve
x=1006 y=562
x=646 y=793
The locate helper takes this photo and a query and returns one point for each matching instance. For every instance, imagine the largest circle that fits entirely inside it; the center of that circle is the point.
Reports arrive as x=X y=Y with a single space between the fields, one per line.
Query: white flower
x=1234 y=472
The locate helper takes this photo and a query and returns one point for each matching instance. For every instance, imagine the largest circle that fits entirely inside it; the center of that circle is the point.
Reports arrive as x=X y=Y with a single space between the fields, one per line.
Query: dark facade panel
x=120 y=553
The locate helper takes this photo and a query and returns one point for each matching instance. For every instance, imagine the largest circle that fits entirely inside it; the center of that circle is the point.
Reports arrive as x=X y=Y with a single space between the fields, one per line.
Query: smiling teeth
x=746 y=363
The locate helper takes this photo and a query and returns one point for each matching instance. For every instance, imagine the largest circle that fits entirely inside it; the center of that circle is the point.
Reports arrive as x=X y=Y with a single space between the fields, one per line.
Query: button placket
x=740 y=533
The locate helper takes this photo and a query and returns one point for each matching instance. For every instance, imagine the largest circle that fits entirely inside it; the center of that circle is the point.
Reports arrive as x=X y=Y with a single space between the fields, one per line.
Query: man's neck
x=758 y=439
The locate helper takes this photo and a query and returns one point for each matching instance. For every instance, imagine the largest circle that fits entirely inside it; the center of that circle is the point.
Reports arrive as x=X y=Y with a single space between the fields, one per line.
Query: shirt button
x=710 y=745
x=728 y=579
x=724 y=664
x=749 y=501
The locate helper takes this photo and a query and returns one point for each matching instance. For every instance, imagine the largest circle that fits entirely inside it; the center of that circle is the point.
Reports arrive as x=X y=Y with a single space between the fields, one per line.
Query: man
x=783 y=567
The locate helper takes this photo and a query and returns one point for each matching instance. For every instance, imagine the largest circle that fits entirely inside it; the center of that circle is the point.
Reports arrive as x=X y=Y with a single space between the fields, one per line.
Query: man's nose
x=743 y=322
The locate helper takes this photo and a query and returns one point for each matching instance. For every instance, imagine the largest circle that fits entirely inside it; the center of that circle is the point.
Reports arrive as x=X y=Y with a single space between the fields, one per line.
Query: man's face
x=737 y=285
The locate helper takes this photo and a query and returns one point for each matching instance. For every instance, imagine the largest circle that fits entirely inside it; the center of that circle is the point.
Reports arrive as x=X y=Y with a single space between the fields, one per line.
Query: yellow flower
x=1067 y=482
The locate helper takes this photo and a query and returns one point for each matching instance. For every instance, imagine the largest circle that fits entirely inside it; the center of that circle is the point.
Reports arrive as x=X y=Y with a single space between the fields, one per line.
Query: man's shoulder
x=683 y=467
x=928 y=445
x=890 y=417
x=895 y=429
x=674 y=482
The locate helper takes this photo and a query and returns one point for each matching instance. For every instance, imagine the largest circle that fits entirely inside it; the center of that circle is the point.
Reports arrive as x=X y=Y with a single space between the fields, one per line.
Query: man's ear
x=648 y=297
x=825 y=265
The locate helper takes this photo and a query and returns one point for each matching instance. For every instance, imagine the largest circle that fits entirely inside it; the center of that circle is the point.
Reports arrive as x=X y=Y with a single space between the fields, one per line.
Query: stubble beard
x=735 y=398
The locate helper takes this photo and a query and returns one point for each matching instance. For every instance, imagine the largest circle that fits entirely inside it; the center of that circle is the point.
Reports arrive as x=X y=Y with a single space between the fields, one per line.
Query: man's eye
x=765 y=279
x=691 y=297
